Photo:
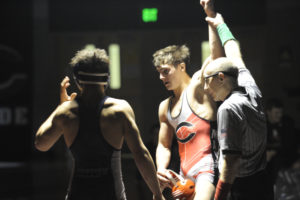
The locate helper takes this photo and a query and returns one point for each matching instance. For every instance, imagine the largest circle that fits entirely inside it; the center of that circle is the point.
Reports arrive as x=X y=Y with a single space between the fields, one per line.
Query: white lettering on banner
x=19 y=118
x=5 y=116
x=20 y=115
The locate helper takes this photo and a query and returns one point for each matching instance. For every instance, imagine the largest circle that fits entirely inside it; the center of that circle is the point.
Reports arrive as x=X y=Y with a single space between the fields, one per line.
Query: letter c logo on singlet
x=185 y=136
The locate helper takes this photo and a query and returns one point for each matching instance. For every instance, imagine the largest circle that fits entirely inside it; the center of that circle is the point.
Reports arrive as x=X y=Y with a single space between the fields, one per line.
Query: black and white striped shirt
x=242 y=125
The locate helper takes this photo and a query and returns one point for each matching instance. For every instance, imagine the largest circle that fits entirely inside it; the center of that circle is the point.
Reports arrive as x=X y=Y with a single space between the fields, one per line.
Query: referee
x=242 y=131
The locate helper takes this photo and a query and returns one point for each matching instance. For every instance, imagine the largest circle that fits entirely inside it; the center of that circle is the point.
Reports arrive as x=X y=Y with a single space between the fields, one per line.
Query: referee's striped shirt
x=242 y=125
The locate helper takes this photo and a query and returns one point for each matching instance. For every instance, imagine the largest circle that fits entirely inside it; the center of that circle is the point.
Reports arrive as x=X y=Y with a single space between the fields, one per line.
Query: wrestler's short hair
x=91 y=66
x=91 y=60
x=172 y=55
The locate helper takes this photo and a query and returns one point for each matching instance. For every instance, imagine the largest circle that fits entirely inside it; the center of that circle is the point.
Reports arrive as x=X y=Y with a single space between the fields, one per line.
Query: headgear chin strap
x=92 y=78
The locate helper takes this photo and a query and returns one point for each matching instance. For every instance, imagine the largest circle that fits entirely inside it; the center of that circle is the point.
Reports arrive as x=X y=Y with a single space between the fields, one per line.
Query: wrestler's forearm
x=48 y=133
x=163 y=156
x=215 y=44
x=147 y=169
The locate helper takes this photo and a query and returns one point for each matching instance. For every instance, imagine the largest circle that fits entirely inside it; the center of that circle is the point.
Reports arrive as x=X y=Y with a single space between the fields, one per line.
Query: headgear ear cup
x=183 y=190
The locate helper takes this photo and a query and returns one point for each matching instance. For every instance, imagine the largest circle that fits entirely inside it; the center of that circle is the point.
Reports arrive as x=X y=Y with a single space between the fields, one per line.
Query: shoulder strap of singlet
x=97 y=114
x=184 y=105
x=100 y=108
x=169 y=109
x=101 y=105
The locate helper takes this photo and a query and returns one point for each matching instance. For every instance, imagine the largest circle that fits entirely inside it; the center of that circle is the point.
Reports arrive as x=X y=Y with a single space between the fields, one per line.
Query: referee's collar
x=236 y=90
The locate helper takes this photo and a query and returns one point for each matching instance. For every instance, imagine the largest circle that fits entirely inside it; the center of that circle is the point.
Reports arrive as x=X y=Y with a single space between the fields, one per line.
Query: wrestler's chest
x=175 y=109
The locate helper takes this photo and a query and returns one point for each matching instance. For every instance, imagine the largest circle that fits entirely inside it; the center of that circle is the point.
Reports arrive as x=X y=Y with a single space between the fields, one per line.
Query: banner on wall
x=15 y=108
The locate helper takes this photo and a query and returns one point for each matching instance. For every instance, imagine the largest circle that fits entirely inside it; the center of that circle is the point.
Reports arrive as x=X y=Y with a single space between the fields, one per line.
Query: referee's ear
x=221 y=76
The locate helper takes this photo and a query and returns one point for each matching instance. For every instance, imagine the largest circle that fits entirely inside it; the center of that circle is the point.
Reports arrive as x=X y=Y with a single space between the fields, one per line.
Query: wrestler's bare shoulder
x=163 y=109
x=117 y=107
x=68 y=109
x=163 y=106
x=196 y=76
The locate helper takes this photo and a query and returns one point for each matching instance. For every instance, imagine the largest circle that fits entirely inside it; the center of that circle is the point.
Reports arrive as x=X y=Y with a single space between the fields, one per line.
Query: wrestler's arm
x=140 y=153
x=163 y=151
x=215 y=45
x=51 y=129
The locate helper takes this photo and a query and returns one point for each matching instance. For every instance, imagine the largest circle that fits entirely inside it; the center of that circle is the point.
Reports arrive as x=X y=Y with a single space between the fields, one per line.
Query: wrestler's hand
x=208 y=7
x=63 y=91
x=174 y=177
x=162 y=176
x=216 y=21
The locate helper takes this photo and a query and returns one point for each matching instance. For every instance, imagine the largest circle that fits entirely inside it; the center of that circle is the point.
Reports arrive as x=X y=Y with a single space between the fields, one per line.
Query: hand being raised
x=208 y=7
x=63 y=91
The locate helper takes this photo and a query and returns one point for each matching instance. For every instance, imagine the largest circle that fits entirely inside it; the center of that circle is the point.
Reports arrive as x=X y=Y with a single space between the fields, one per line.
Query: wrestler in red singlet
x=193 y=134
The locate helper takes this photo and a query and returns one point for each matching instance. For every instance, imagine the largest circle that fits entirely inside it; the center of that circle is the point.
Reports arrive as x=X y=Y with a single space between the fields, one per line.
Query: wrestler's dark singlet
x=97 y=165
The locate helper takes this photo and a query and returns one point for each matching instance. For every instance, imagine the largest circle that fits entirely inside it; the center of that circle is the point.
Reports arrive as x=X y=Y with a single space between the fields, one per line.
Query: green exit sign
x=149 y=15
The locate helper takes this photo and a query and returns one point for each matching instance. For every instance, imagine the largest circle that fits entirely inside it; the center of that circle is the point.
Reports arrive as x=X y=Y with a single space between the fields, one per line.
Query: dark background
x=39 y=37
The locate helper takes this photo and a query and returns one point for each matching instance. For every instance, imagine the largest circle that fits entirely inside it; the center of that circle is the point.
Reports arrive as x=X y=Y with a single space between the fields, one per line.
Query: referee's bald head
x=224 y=65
